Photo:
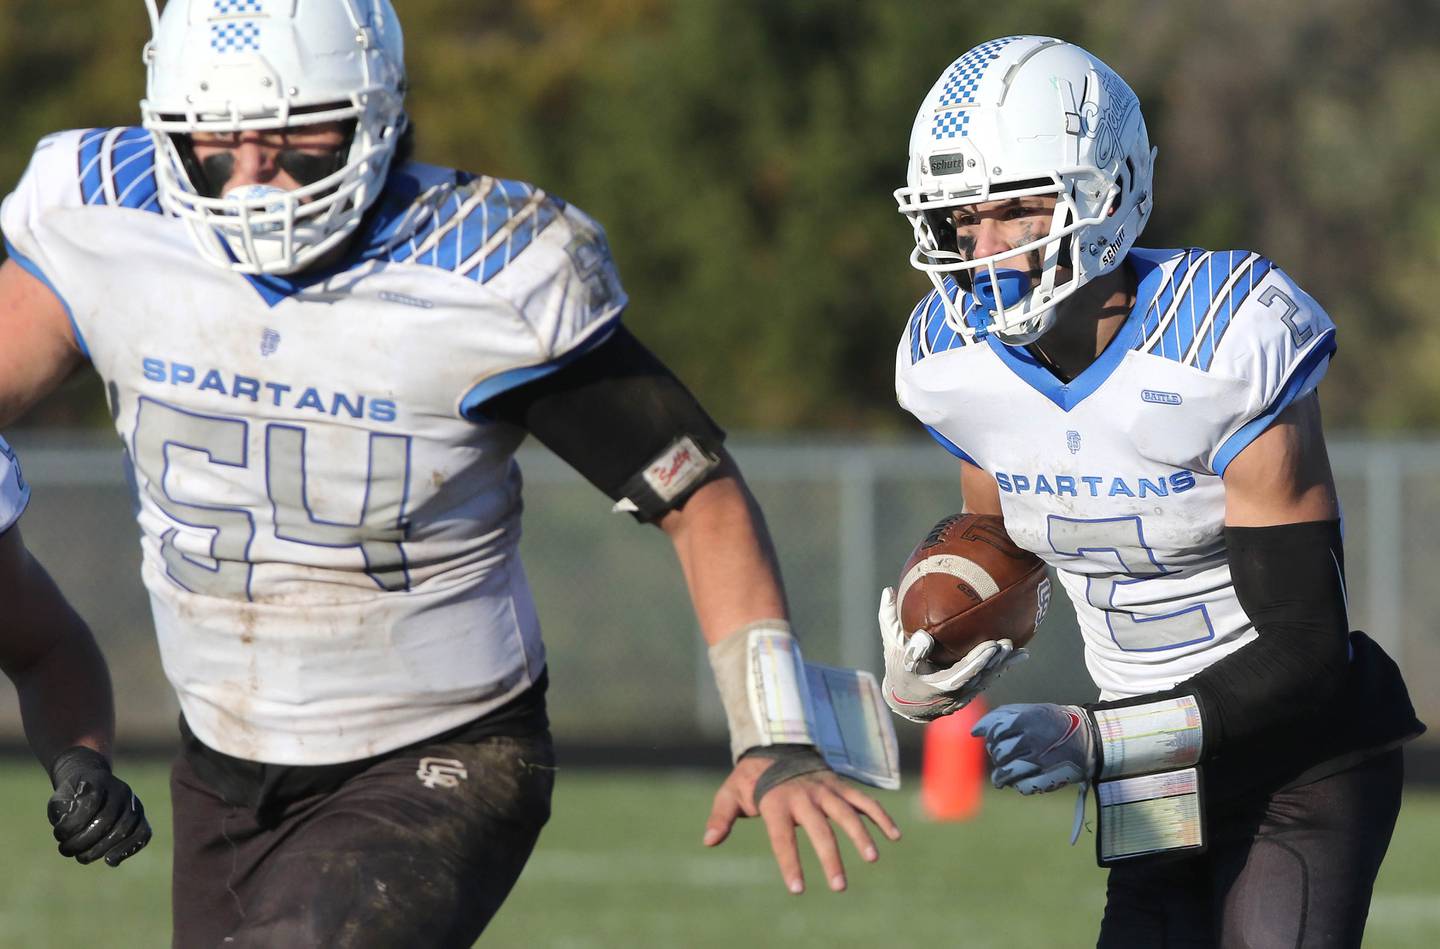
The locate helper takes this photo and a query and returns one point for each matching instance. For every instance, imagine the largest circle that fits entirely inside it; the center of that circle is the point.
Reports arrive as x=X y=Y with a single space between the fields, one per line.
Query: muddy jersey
x=329 y=520
x=1115 y=478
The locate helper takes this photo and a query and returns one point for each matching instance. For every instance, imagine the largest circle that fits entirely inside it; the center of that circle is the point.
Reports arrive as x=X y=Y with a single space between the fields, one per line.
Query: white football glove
x=922 y=691
x=1038 y=747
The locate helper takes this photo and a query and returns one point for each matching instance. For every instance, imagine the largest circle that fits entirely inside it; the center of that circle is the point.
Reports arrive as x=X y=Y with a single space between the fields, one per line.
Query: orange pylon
x=952 y=770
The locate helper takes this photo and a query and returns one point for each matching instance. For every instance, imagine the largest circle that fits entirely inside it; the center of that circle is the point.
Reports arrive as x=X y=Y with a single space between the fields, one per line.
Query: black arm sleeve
x=1290 y=582
x=610 y=414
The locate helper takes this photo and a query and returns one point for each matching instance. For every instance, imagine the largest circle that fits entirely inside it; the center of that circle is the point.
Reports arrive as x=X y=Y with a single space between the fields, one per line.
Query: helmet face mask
x=1021 y=116
x=233 y=66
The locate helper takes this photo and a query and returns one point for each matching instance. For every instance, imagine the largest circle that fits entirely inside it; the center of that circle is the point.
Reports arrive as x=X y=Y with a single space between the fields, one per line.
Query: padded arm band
x=615 y=415
x=1290 y=582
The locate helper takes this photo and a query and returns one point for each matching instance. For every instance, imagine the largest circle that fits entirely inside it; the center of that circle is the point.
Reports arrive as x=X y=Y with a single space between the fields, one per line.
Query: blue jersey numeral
x=1121 y=540
x=160 y=429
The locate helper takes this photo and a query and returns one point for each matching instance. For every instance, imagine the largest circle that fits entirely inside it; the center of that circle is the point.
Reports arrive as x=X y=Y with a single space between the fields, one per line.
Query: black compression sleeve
x=610 y=413
x=1290 y=582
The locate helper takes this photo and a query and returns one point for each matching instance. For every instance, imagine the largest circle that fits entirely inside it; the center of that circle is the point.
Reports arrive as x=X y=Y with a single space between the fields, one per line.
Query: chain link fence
x=612 y=602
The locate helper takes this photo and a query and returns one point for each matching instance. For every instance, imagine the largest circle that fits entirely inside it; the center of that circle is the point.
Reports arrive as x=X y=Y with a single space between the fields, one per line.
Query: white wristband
x=761 y=677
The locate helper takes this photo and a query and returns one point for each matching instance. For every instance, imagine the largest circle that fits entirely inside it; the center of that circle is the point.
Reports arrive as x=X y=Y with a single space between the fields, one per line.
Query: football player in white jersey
x=59 y=673
x=321 y=357
x=1146 y=421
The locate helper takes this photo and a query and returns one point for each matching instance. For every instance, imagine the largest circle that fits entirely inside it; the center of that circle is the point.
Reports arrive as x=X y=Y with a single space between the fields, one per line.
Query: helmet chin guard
x=1015 y=117
x=228 y=66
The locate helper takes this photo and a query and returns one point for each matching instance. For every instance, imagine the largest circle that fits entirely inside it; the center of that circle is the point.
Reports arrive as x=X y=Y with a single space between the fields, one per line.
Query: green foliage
x=741 y=154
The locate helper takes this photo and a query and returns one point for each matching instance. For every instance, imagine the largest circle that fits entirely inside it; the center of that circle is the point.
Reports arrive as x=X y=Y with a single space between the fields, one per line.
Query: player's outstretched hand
x=795 y=787
x=1038 y=747
x=922 y=691
x=94 y=813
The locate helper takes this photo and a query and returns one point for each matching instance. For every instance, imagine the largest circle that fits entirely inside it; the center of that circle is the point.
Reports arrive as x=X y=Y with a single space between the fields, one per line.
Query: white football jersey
x=14 y=492
x=329 y=522
x=1114 y=479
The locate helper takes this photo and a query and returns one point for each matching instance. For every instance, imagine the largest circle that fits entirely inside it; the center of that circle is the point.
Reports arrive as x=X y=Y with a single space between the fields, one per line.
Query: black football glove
x=94 y=813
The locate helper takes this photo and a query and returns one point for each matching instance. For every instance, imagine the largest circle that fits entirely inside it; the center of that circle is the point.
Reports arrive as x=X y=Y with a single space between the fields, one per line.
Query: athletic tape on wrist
x=1148 y=737
x=786 y=762
x=761 y=677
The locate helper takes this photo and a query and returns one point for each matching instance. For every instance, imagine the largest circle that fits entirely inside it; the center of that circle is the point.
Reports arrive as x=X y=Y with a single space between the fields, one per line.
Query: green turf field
x=621 y=866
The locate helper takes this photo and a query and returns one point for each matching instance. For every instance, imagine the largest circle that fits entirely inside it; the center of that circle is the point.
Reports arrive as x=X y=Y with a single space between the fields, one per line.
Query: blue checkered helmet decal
x=234 y=37
x=961 y=82
x=225 y=7
x=951 y=124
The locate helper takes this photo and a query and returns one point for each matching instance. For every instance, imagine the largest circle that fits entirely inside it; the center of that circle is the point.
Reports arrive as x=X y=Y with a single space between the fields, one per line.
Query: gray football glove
x=1039 y=747
x=918 y=689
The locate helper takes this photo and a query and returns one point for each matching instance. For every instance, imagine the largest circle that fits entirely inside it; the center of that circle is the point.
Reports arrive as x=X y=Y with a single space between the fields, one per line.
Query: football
x=967 y=582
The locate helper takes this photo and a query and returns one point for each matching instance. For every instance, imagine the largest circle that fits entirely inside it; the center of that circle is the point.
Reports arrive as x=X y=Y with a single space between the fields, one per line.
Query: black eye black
x=306 y=168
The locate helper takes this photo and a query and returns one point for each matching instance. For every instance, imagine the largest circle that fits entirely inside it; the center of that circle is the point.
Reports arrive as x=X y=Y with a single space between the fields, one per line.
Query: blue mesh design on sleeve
x=117 y=167
x=227 y=7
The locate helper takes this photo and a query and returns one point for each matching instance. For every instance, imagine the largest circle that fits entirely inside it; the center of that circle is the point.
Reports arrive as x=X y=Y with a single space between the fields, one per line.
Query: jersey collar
x=1067 y=395
x=371 y=240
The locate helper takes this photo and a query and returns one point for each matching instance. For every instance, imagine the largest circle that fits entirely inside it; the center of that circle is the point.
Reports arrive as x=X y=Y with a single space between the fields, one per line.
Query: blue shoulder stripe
x=917 y=322
x=92 y=181
x=1194 y=307
x=1247 y=280
x=1166 y=296
x=117 y=167
x=477 y=226
x=525 y=229
x=930 y=331
x=1185 y=316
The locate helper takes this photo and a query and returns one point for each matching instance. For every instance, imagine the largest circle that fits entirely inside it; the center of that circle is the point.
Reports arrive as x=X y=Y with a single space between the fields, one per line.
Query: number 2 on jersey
x=1121 y=540
x=225 y=441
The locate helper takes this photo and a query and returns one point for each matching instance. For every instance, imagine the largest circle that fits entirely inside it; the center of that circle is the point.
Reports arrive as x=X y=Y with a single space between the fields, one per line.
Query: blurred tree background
x=741 y=154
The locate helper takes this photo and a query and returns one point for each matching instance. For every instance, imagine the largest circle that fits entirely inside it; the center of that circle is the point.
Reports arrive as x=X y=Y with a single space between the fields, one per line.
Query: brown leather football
x=967 y=582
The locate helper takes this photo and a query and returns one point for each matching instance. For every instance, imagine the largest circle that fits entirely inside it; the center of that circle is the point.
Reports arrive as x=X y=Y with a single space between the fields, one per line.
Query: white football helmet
x=238 y=65
x=1017 y=116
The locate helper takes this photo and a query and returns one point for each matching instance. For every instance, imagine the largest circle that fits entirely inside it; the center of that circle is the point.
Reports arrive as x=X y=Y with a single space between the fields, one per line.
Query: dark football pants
x=382 y=861
x=1293 y=869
